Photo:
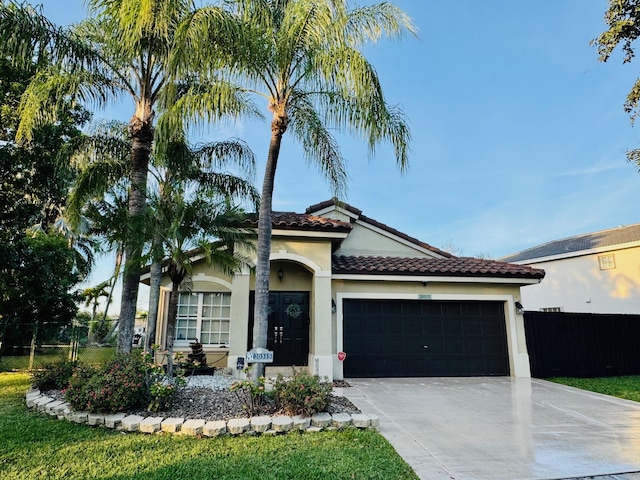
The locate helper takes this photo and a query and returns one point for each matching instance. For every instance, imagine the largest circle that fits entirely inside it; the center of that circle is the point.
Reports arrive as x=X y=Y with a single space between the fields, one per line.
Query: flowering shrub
x=53 y=376
x=162 y=395
x=251 y=395
x=117 y=386
x=302 y=394
x=162 y=390
x=77 y=394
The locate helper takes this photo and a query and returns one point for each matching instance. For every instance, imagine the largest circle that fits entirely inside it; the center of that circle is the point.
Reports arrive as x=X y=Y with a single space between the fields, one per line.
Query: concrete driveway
x=502 y=428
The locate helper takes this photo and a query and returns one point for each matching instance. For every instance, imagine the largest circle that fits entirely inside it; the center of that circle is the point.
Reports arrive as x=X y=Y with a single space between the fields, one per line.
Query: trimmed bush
x=53 y=376
x=302 y=394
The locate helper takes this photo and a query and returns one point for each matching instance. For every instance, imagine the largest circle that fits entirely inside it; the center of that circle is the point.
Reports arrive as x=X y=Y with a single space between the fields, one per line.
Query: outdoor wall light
x=333 y=306
x=280 y=274
x=519 y=308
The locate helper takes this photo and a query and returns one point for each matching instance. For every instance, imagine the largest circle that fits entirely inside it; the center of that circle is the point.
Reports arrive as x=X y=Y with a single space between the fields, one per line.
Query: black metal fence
x=26 y=346
x=582 y=344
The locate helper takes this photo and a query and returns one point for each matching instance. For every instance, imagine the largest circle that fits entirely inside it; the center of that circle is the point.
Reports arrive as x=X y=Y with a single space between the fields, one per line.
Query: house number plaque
x=259 y=355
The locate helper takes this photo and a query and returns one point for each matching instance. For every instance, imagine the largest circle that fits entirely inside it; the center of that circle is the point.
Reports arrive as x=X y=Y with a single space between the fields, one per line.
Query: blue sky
x=519 y=132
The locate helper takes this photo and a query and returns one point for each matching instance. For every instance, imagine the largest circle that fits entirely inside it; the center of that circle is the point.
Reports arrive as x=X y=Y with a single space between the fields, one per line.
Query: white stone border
x=262 y=425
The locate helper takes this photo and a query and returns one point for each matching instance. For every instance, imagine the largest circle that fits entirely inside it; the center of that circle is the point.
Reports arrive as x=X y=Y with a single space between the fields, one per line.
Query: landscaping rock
x=192 y=427
x=95 y=419
x=260 y=424
x=215 y=428
x=41 y=402
x=375 y=421
x=360 y=420
x=282 y=424
x=114 y=420
x=237 y=426
x=52 y=405
x=321 y=419
x=341 y=420
x=172 y=425
x=301 y=422
x=79 y=417
x=150 y=424
x=131 y=423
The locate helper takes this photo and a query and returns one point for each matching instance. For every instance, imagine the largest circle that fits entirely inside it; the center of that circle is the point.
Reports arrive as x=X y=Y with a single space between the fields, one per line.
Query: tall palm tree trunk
x=155 y=280
x=263 y=268
x=142 y=134
x=172 y=315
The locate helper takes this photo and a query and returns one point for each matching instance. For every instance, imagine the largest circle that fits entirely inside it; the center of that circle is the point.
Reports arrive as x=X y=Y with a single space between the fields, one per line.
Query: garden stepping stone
x=282 y=424
x=150 y=424
x=172 y=425
x=214 y=428
x=192 y=427
x=321 y=419
x=114 y=420
x=260 y=424
x=131 y=423
x=237 y=426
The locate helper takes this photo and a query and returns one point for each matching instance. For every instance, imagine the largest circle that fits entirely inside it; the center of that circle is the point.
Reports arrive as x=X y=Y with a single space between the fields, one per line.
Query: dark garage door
x=417 y=338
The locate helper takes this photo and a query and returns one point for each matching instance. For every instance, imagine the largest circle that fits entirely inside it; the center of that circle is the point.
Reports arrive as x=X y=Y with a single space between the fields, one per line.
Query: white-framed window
x=607 y=262
x=552 y=309
x=205 y=316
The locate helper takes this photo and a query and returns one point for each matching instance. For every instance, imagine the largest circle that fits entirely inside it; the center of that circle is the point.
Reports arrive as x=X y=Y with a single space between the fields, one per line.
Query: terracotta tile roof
x=459 y=266
x=579 y=243
x=301 y=221
x=380 y=225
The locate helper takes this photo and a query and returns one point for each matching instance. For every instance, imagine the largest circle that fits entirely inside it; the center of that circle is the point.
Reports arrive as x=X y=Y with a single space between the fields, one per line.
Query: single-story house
x=344 y=283
x=595 y=272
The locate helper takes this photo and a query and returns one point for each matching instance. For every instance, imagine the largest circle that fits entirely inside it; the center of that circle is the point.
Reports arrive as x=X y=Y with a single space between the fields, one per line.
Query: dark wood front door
x=288 y=330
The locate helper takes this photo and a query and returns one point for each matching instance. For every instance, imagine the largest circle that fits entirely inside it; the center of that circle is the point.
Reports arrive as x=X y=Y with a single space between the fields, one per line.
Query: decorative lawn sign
x=259 y=355
x=342 y=356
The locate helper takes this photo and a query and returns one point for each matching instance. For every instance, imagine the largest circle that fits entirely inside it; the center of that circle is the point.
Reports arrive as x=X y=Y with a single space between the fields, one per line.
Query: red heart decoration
x=342 y=356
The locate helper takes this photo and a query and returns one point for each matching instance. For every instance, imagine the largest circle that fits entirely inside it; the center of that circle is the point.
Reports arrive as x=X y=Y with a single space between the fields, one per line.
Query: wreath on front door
x=293 y=310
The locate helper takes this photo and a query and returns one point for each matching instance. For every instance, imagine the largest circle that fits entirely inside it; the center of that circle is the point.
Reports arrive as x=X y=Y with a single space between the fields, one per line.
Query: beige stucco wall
x=365 y=241
x=578 y=285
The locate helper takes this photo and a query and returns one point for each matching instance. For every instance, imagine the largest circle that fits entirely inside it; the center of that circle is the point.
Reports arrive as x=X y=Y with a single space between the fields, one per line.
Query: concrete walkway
x=503 y=428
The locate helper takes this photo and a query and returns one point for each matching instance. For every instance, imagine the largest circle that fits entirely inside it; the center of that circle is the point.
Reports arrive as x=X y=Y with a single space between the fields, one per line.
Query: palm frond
x=320 y=147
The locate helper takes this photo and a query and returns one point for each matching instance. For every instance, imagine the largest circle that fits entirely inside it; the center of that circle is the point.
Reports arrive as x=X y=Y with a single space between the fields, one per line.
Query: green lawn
x=36 y=446
x=623 y=387
x=90 y=355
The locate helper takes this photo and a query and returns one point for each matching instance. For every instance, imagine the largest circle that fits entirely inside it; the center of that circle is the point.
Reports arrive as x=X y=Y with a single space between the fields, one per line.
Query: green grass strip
x=627 y=387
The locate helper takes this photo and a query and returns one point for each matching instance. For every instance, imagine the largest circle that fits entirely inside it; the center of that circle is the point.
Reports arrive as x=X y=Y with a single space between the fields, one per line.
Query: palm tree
x=178 y=166
x=202 y=223
x=198 y=168
x=304 y=57
x=121 y=52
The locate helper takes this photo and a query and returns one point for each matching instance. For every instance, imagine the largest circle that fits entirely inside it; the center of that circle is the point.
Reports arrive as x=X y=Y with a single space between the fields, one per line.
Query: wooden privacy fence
x=582 y=344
